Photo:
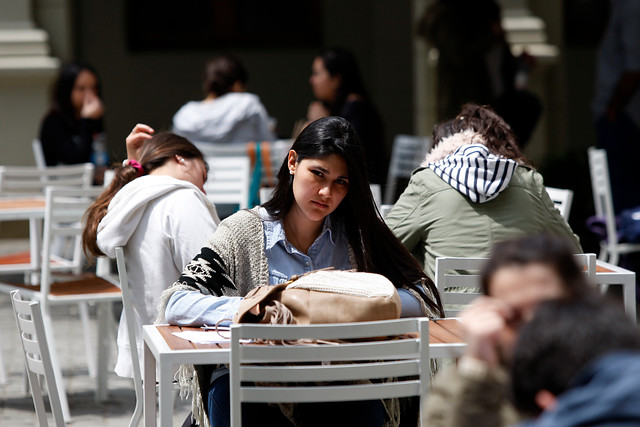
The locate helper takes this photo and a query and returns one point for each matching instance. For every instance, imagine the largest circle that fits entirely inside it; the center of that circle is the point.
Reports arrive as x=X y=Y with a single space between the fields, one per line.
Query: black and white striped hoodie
x=466 y=164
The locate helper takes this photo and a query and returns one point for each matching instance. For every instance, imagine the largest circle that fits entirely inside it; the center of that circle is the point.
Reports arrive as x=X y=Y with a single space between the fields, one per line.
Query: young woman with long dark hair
x=322 y=215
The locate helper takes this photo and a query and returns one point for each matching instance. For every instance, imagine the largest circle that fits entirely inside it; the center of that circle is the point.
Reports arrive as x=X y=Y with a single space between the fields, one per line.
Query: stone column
x=26 y=74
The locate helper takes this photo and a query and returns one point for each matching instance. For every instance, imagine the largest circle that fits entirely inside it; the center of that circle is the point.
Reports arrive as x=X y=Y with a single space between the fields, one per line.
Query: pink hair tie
x=137 y=166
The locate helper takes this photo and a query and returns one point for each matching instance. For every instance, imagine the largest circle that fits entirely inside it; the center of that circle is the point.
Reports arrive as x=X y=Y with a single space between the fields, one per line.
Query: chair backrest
x=401 y=364
x=407 y=153
x=278 y=150
x=385 y=209
x=376 y=192
x=64 y=211
x=38 y=154
x=37 y=357
x=601 y=187
x=31 y=179
x=228 y=180
x=458 y=281
x=266 y=193
x=562 y=199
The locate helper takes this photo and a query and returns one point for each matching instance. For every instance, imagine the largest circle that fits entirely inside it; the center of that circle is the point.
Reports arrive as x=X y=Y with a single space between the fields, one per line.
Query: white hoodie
x=233 y=117
x=162 y=223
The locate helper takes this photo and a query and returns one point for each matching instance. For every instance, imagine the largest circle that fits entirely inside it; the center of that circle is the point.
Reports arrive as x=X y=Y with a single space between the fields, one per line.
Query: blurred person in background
x=337 y=85
x=74 y=123
x=475 y=63
x=616 y=106
x=577 y=363
x=228 y=113
x=520 y=274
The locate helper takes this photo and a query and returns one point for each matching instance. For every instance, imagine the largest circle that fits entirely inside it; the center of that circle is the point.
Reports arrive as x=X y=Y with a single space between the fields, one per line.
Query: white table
x=25 y=208
x=609 y=274
x=164 y=351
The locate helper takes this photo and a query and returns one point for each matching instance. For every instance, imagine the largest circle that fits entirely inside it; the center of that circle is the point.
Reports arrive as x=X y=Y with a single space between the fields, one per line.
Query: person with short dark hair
x=228 y=112
x=74 y=121
x=519 y=275
x=577 y=363
x=475 y=188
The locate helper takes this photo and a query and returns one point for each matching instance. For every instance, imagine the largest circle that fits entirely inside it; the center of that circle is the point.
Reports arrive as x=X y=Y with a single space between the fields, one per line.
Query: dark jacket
x=605 y=394
x=67 y=141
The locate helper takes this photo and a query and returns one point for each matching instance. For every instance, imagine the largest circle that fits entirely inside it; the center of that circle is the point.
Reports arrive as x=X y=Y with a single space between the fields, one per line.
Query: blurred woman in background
x=339 y=90
x=74 y=121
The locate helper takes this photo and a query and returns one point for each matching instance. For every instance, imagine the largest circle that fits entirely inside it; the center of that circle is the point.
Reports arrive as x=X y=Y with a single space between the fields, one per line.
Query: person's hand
x=136 y=138
x=92 y=107
x=317 y=110
x=483 y=323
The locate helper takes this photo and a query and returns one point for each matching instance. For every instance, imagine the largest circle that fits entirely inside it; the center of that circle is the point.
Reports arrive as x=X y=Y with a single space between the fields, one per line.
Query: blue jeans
x=368 y=413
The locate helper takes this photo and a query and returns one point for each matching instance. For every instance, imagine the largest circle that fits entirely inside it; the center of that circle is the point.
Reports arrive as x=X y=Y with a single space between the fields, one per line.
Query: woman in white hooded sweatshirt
x=155 y=208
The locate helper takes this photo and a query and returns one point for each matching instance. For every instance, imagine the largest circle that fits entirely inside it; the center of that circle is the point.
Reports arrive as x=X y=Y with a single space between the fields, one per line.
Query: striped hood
x=466 y=164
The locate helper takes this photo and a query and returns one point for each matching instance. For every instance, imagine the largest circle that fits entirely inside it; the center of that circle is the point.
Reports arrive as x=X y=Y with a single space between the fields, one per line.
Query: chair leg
x=83 y=310
x=614 y=257
x=104 y=341
x=56 y=364
x=137 y=412
x=3 y=371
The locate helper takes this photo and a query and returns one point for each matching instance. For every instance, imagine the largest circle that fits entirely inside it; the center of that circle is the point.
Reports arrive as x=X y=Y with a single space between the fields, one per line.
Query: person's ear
x=545 y=400
x=291 y=161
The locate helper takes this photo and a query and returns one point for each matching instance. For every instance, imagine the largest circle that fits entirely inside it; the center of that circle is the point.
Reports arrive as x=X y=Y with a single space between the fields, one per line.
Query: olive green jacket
x=433 y=219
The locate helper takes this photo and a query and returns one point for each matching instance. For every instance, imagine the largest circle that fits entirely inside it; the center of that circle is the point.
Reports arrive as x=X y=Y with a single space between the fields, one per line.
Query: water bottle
x=99 y=155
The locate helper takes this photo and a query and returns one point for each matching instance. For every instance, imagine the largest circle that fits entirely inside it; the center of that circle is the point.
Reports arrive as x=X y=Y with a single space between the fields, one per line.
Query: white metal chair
x=407 y=153
x=385 y=209
x=376 y=192
x=456 y=278
x=31 y=179
x=562 y=199
x=458 y=281
x=401 y=364
x=610 y=248
x=38 y=154
x=228 y=180
x=38 y=359
x=130 y=315
x=266 y=193
x=28 y=180
x=64 y=210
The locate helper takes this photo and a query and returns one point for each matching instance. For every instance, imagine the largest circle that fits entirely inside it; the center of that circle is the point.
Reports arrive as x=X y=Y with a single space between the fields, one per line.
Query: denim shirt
x=330 y=249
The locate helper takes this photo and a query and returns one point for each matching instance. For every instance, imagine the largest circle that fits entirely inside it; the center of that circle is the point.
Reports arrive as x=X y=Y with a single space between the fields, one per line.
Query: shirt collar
x=274 y=230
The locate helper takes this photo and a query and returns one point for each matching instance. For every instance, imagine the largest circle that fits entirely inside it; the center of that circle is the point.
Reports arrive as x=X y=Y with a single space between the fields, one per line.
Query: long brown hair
x=499 y=137
x=375 y=248
x=153 y=154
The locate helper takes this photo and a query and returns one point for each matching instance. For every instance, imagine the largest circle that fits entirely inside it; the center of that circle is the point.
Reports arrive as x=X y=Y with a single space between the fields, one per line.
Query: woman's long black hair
x=375 y=247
